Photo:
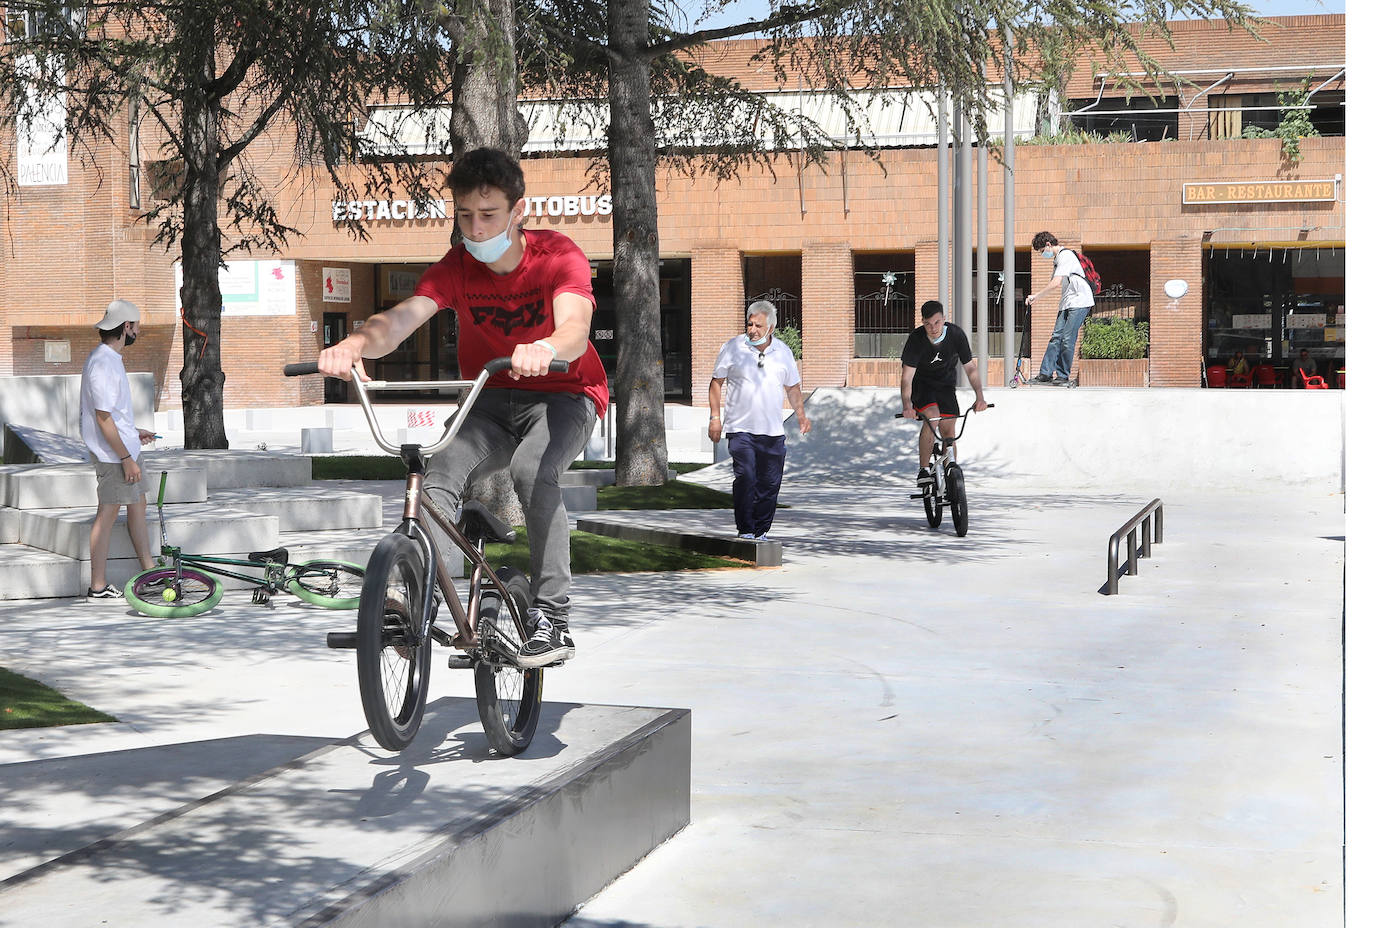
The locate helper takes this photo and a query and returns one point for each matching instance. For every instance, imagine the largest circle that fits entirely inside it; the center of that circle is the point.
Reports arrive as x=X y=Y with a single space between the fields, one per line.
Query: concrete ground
x=896 y=727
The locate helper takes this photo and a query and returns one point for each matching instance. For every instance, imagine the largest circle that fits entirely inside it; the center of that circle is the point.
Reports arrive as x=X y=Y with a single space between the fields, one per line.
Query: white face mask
x=1048 y=253
x=493 y=248
x=762 y=339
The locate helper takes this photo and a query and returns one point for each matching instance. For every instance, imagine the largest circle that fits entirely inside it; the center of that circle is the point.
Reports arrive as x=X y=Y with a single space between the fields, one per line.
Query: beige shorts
x=110 y=486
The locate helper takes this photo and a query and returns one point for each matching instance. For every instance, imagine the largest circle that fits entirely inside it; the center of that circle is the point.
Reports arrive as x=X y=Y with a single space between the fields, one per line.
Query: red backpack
x=1090 y=274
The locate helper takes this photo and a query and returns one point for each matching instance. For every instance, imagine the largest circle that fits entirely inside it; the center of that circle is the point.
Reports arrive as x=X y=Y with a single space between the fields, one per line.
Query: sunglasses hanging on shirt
x=760 y=359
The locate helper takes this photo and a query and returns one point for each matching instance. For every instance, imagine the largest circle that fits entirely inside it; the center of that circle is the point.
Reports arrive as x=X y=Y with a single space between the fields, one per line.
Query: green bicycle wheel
x=193 y=592
x=331 y=584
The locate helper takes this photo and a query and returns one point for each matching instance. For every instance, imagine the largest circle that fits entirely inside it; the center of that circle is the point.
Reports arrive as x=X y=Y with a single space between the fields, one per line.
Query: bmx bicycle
x=405 y=581
x=948 y=486
x=186 y=584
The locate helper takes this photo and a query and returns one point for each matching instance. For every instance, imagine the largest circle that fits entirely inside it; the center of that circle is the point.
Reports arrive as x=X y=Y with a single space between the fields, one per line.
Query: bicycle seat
x=275 y=556
x=478 y=524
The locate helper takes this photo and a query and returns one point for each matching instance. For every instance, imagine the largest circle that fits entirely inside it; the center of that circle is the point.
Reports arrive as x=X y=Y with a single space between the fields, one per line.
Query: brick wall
x=717 y=310
x=827 y=314
x=1176 y=328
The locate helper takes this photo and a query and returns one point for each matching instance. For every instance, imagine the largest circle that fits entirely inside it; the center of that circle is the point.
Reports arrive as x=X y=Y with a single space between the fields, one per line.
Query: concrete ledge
x=762 y=553
x=348 y=835
x=55 y=486
x=595 y=477
x=202 y=528
x=227 y=469
x=300 y=509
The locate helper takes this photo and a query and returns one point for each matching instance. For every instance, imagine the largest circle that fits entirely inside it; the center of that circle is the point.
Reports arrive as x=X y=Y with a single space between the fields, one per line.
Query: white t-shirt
x=105 y=386
x=754 y=395
x=1077 y=293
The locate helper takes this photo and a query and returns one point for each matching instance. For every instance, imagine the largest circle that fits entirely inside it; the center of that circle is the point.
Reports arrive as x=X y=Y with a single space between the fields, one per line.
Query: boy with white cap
x=107 y=428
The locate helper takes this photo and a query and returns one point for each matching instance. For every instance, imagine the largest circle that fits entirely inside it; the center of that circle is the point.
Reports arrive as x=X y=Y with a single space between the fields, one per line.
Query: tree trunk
x=202 y=380
x=641 y=443
x=485 y=115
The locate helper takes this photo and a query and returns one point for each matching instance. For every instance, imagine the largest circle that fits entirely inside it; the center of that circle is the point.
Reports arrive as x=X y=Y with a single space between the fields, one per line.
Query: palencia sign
x=401 y=210
x=1297 y=191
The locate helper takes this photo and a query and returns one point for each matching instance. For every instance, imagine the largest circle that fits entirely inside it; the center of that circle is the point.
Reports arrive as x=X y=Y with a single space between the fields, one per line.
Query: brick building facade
x=70 y=249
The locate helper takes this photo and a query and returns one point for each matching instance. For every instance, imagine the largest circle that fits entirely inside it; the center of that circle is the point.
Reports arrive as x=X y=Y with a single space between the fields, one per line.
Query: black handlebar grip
x=497 y=365
x=301 y=369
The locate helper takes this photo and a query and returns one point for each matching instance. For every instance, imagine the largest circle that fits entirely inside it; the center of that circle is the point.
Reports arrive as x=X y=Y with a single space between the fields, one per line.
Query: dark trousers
x=758 y=463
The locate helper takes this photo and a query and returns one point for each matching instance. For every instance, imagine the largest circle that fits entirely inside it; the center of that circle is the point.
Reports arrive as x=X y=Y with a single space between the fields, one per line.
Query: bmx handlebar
x=364 y=387
x=962 y=417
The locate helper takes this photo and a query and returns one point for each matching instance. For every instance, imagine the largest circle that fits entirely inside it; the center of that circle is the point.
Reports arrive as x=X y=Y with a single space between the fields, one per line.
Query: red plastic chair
x=1340 y=378
x=1216 y=376
x=1315 y=382
x=1266 y=376
x=1239 y=380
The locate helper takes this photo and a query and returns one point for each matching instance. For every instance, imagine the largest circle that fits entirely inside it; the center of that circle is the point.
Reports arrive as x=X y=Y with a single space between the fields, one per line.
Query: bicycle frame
x=943 y=449
x=273 y=573
x=419 y=511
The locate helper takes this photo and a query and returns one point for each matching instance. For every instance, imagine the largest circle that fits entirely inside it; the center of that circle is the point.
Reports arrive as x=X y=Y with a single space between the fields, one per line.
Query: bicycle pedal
x=261 y=597
x=460 y=662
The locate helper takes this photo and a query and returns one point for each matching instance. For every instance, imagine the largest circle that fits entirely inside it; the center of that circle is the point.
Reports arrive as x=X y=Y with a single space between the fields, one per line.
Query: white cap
x=118 y=313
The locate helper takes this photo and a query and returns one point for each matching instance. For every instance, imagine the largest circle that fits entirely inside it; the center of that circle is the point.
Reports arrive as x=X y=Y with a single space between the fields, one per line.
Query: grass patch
x=26 y=703
x=672 y=495
x=594 y=554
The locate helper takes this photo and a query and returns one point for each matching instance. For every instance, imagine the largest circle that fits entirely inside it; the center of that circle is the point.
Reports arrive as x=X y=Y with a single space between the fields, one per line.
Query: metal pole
x=942 y=198
x=1010 y=343
x=963 y=218
x=980 y=348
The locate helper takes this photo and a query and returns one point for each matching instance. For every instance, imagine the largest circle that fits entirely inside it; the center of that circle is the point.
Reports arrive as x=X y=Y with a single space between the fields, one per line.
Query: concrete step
x=52 y=486
x=227 y=469
x=31 y=573
x=347 y=835
x=206 y=528
x=305 y=508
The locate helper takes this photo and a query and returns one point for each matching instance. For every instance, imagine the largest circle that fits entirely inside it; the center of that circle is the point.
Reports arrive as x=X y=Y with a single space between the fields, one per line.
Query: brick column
x=827 y=314
x=1176 y=331
x=717 y=310
x=927 y=284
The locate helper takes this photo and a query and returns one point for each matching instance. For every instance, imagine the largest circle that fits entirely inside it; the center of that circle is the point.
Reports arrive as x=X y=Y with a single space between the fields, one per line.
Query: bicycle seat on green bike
x=478 y=524
x=275 y=556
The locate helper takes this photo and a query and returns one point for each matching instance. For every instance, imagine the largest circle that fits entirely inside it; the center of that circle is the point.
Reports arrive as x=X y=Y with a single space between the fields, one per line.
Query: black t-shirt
x=937 y=364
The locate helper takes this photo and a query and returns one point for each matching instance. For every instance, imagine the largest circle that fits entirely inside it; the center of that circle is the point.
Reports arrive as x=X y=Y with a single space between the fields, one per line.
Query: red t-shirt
x=496 y=312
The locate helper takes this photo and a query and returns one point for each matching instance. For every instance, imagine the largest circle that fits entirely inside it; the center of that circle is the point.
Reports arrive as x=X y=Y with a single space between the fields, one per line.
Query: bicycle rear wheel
x=958 y=502
x=508 y=698
x=331 y=584
x=393 y=658
x=195 y=592
x=935 y=507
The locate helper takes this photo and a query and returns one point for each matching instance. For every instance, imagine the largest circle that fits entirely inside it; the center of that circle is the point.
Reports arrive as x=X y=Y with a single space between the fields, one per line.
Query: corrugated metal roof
x=895 y=119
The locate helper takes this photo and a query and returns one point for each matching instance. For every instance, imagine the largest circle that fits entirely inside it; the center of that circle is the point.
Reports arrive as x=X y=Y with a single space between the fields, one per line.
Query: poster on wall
x=41 y=135
x=254 y=288
x=338 y=285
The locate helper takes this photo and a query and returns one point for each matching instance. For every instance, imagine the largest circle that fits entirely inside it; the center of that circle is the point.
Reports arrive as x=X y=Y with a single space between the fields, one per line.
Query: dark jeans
x=758 y=463
x=536 y=436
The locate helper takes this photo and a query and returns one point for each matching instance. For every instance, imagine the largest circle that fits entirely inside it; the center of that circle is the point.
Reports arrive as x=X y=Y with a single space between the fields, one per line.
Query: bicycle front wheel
x=331 y=584
x=160 y=593
x=958 y=502
x=508 y=698
x=393 y=656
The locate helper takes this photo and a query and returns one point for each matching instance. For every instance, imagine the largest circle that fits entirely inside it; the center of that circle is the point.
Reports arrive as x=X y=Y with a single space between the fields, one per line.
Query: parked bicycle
x=186 y=584
x=947 y=486
x=405 y=581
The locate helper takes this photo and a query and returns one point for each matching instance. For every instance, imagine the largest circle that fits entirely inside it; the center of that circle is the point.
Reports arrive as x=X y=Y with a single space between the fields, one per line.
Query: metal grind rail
x=1150 y=521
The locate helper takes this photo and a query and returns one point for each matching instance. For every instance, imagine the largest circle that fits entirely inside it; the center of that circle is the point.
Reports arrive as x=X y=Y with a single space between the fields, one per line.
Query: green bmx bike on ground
x=184 y=584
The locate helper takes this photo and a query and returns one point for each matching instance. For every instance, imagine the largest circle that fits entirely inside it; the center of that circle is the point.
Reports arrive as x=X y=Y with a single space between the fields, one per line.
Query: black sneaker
x=100 y=596
x=548 y=644
x=1042 y=378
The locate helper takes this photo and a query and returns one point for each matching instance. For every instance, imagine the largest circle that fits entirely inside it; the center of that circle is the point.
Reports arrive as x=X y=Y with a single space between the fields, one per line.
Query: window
x=1136 y=117
x=27 y=22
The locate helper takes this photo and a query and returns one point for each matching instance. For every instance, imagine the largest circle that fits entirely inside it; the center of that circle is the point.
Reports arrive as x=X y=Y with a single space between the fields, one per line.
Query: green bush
x=790 y=337
x=1115 y=339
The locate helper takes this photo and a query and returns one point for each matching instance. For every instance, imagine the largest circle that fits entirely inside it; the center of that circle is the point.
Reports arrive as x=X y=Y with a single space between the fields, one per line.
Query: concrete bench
x=761 y=553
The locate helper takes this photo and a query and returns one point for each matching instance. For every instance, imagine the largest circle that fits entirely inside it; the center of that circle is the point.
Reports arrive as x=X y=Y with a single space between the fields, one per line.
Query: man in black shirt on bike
x=930 y=362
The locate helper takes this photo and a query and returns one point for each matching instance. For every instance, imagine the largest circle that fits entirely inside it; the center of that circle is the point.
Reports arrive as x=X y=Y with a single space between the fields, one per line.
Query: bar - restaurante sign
x=1298 y=191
